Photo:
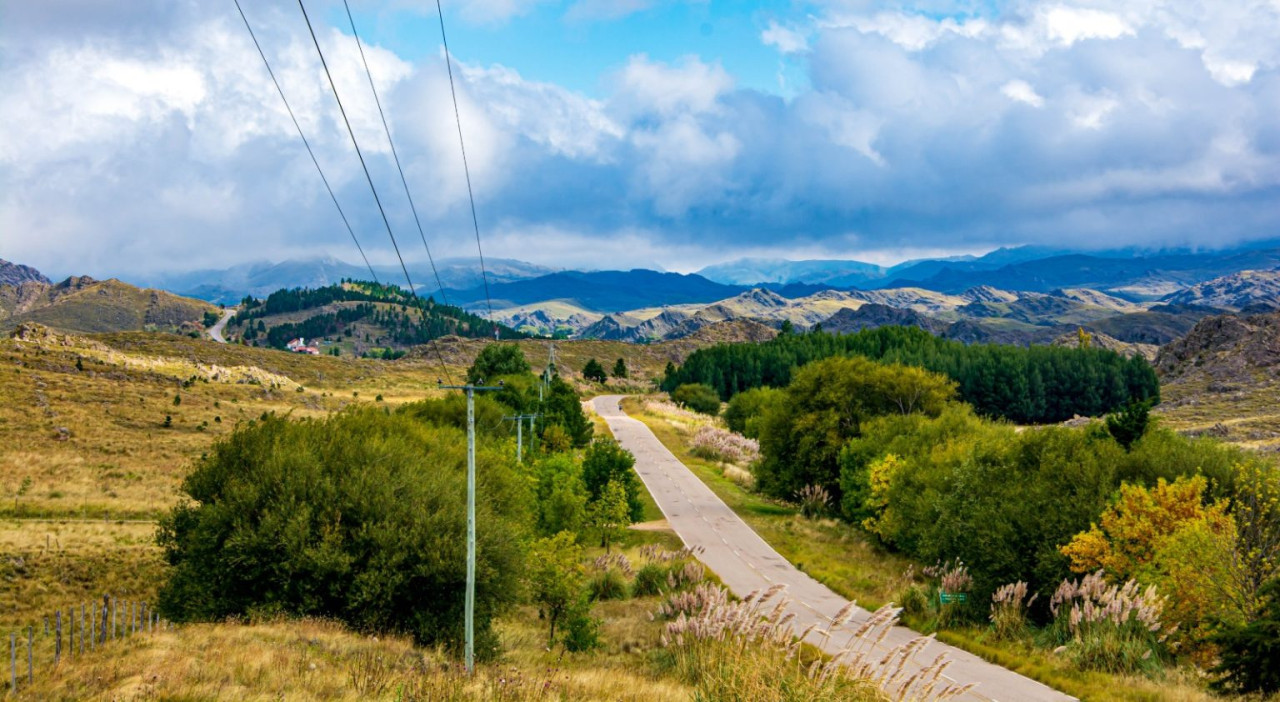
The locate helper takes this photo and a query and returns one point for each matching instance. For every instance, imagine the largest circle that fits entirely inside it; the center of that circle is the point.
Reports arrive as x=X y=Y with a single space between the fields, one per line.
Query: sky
x=145 y=136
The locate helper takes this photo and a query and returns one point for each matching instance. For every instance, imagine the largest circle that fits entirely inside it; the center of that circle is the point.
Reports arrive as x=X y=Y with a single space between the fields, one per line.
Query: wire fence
x=73 y=633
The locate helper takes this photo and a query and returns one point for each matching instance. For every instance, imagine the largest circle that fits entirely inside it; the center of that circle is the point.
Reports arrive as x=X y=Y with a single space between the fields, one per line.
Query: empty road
x=215 y=332
x=745 y=562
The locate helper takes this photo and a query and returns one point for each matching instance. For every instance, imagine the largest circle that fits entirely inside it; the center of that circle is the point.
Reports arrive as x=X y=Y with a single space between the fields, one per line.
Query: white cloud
x=1068 y=25
x=1021 y=91
x=788 y=41
x=690 y=86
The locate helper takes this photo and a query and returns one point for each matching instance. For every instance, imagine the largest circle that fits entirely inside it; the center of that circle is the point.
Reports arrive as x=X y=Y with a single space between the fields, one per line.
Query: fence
x=115 y=620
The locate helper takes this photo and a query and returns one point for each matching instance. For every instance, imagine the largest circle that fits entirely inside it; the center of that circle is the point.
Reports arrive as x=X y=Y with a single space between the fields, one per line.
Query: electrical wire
x=394 y=154
x=475 y=222
x=367 y=175
x=306 y=143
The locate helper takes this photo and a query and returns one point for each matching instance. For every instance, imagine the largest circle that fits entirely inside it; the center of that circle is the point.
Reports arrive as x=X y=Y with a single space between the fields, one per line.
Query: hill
x=1223 y=378
x=16 y=274
x=354 y=318
x=1256 y=289
x=83 y=304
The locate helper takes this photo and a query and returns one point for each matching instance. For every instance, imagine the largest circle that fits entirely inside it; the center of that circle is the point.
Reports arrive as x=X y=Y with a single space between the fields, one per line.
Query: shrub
x=555 y=579
x=1009 y=607
x=814 y=501
x=497 y=360
x=1112 y=628
x=358 y=517
x=716 y=444
x=697 y=397
x=581 y=630
x=608 y=584
x=650 y=580
x=594 y=371
x=1249 y=653
x=562 y=496
x=745 y=409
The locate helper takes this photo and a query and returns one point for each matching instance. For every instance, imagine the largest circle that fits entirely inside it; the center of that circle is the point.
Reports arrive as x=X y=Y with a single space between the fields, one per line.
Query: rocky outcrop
x=17 y=274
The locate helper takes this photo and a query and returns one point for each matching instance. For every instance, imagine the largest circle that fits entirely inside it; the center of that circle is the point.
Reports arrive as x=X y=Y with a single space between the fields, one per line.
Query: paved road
x=215 y=332
x=745 y=562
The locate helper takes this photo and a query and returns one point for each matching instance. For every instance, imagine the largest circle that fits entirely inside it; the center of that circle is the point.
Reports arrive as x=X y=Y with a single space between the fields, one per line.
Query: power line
x=305 y=142
x=475 y=221
x=367 y=176
x=394 y=154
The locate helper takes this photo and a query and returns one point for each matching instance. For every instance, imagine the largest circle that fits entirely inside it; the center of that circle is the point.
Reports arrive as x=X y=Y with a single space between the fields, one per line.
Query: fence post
x=93 y=627
x=102 y=630
x=115 y=607
x=31 y=676
x=57 y=637
x=143 y=617
x=13 y=663
x=82 y=628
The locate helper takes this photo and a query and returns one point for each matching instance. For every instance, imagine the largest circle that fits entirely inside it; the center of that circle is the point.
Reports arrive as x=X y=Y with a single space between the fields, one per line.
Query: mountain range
x=83 y=304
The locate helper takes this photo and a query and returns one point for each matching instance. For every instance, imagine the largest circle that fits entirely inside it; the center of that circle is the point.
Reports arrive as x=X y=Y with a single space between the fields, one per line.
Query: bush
x=650 y=580
x=593 y=371
x=1111 y=628
x=607 y=584
x=747 y=407
x=497 y=360
x=581 y=630
x=699 y=398
x=1249 y=653
x=358 y=517
x=562 y=496
x=716 y=444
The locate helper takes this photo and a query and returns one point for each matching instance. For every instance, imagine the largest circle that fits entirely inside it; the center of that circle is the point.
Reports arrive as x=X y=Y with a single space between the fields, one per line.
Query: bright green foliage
x=1130 y=423
x=562 y=496
x=607 y=462
x=497 y=360
x=620 y=368
x=610 y=514
x=451 y=411
x=594 y=371
x=581 y=630
x=555 y=578
x=1251 y=654
x=697 y=397
x=747 y=407
x=562 y=408
x=1040 y=384
x=801 y=436
x=358 y=517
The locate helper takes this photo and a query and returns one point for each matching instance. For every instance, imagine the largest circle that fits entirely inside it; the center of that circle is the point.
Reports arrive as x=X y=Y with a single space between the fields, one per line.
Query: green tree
x=359 y=517
x=747 y=407
x=555 y=578
x=497 y=360
x=620 y=369
x=594 y=371
x=1130 y=423
x=1249 y=653
x=697 y=397
x=607 y=462
x=562 y=496
x=561 y=407
x=824 y=407
x=611 y=513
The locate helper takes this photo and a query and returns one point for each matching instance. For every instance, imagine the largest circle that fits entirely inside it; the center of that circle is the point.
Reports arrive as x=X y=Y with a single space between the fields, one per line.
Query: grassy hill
x=82 y=304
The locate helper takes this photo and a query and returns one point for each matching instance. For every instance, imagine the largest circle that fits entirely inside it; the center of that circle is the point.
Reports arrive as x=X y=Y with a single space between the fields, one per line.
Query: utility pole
x=470 y=617
x=519 y=420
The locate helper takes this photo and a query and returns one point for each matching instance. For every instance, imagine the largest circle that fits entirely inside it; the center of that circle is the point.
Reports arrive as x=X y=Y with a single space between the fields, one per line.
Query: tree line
x=1036 y=385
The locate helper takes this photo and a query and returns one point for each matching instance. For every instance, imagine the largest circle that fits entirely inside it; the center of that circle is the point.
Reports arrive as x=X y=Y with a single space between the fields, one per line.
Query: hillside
x=1257 y=289
x=16 y=274
x=1224 y=378
x=601 y=291
x=354 y=318
x=82 y=304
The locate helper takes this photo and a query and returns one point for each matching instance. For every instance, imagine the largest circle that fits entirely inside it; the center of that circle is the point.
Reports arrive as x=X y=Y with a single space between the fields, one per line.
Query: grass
x=845 y=559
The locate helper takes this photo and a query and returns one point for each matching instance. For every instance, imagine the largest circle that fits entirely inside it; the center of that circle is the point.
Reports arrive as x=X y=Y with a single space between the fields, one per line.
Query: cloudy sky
x=145 y=135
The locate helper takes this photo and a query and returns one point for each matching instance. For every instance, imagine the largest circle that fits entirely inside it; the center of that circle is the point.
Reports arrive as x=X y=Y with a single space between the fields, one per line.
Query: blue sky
x=146 y=136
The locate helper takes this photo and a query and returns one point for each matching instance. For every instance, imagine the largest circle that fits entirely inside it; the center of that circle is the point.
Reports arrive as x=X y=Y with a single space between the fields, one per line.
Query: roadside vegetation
x=1115 y=556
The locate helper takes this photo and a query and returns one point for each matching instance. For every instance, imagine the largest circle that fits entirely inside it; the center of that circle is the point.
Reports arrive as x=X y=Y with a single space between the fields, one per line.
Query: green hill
x=82 y=304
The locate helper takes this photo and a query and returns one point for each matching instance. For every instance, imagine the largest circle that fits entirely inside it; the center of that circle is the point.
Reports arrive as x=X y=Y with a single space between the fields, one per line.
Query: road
x=746 y=563
x=215 y=332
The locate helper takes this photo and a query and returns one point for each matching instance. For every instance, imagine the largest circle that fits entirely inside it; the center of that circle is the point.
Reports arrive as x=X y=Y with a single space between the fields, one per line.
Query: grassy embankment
x=846 y=560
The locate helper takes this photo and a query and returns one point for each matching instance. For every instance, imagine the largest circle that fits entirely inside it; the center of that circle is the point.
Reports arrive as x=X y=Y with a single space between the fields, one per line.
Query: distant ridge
x=16 y=274
x=82 y=304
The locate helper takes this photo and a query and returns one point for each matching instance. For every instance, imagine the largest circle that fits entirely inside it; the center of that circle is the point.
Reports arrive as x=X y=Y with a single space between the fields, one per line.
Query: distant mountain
x=1137 y=278
x=1246 y=289
x=82 y=304
x=16 y=274
x=872 y=316
x=260 y=279
x=600 y=291
x=754 y=271
x=1225 y=349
